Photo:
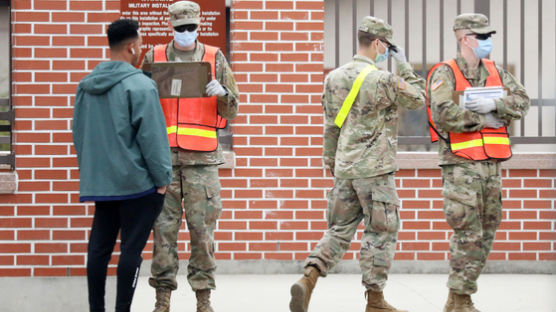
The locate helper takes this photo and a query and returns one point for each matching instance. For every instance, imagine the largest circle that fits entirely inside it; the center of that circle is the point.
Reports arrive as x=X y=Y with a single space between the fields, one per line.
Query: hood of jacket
x=106 y=75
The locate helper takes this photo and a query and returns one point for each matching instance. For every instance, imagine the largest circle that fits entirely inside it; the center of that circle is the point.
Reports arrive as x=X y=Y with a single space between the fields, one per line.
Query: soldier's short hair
x=365 y=39
x=122 y=31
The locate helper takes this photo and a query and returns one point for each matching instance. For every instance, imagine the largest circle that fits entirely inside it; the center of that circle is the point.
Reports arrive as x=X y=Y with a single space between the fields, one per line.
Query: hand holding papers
x=480 y=105
x=481 y=100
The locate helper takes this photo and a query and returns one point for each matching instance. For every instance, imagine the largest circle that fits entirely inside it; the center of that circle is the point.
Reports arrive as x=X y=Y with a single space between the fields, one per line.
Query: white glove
x=480 y=105
x=215 y=88
x=399 y=56
x=492 y=121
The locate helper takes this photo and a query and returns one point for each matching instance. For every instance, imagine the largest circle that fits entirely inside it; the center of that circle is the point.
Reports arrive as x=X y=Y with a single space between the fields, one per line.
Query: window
x=523 y=44
x=6 y=115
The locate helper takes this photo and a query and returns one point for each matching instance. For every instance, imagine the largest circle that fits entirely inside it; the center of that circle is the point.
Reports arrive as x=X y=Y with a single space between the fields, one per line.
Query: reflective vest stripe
x=192 y=131
x=467 y=144
x=496 y=140
x=348 y=102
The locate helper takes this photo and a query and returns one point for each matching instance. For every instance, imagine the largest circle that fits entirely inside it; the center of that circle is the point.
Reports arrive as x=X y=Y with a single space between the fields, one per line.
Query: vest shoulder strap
x=348 y=102
x=493 y=78
x=159 y=55
x=210 y=57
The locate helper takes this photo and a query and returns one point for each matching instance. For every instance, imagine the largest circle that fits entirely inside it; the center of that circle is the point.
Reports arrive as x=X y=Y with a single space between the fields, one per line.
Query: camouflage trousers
x=199 y=188
x=375 y=201
x=473 y=208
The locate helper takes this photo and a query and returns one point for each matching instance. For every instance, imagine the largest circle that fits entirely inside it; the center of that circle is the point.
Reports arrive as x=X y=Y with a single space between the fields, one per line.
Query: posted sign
x=152 y=16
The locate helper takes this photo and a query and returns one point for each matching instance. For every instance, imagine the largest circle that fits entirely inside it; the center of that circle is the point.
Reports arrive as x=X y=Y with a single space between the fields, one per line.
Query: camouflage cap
x=377 y=27
x=184 y=12
x=477 y=23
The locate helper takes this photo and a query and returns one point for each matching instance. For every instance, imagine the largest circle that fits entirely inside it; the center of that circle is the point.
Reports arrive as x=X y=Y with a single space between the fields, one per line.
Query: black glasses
x=481 y=36
x=188 y=27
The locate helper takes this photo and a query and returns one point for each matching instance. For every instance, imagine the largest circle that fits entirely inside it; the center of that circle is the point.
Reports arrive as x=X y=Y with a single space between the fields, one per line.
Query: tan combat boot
x=376 y=303
x=449 y=306
x=302 y=289
x=463 y=303
x=203 y=300
x=162 y=299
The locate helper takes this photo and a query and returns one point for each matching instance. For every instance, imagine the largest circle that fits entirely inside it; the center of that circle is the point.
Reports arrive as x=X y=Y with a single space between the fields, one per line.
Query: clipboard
x=181 y=79
x=459 y=98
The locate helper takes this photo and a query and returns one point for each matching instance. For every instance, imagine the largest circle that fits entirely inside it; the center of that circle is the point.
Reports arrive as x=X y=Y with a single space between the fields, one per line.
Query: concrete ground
x=344 y=293
x=270 y=293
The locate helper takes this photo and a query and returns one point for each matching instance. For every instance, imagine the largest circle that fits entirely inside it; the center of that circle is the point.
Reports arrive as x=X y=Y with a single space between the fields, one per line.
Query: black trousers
x=135 y=219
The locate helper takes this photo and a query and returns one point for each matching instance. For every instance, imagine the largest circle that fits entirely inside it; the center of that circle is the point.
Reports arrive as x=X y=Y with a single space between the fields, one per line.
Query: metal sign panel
x=154 y=25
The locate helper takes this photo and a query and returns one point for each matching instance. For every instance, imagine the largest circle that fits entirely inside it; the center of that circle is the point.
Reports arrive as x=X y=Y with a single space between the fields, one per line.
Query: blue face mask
x=381 y=57
x=186 y=38
x=484 y=48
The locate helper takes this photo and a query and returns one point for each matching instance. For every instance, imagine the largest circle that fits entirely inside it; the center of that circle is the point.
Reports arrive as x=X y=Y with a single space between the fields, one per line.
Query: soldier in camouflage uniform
x=195 y=179
x=360 y=153
x=471 y=189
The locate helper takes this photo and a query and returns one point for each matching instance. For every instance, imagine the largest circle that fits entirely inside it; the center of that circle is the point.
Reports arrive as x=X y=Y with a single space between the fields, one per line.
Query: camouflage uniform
x=471 y=189
x=361 y=154
x=195 y=180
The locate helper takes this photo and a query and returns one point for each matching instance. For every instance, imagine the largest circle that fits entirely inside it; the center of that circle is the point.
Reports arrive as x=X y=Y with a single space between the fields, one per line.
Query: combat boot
x=162 y=299
x=449 y=306
x=301 y=291
x=376 y=303
x=203 y=300
x=463 y=303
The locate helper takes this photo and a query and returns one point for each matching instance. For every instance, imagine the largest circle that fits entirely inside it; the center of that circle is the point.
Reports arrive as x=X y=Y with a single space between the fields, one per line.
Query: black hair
x=120 y=31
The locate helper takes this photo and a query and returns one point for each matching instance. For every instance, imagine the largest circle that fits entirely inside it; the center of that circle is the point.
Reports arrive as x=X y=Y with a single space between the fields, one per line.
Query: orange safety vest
x=488 y=143
x=192 y=123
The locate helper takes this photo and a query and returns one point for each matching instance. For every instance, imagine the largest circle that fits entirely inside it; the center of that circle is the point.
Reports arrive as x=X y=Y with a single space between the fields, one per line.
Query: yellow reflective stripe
x=192 y=131
x=466 y=144
x=172 y=129
x=496 y=140
x=348 y=102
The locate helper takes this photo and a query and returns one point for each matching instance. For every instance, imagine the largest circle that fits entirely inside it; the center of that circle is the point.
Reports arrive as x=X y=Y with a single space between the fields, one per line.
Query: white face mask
x=186 y=38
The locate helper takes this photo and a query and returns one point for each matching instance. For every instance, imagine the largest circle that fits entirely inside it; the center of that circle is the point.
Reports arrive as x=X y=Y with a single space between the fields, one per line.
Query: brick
x=85 y=5
x=232 y=246
x=278 y=256
x=247 y=256
x=547 y=194
x=15 y=272
x=50 y=29
x=23 y=235
x=68 y=41
x=309 y=5
x=50 y=5
x=232 y=225
x=51 y=248
x=31 y=16
x=539 y=225
x=64 y=235
x=262 y=225
x=522 y=256
x=415 y=225
x=15 y=248
x=32 y=260
x=278 y=5
x=30 y=40
x=68 y=17
x=523 y=236
x=549 y=173
x=15 y=222
x=68 y=260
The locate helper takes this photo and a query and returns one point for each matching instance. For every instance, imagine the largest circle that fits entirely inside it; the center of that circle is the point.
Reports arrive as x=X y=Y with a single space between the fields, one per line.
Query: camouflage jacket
x=366 y=144
x=227 y=106
x=450 y=117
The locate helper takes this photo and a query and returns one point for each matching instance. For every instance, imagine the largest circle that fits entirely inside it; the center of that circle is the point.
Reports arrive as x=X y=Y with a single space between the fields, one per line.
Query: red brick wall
x=274 y=198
